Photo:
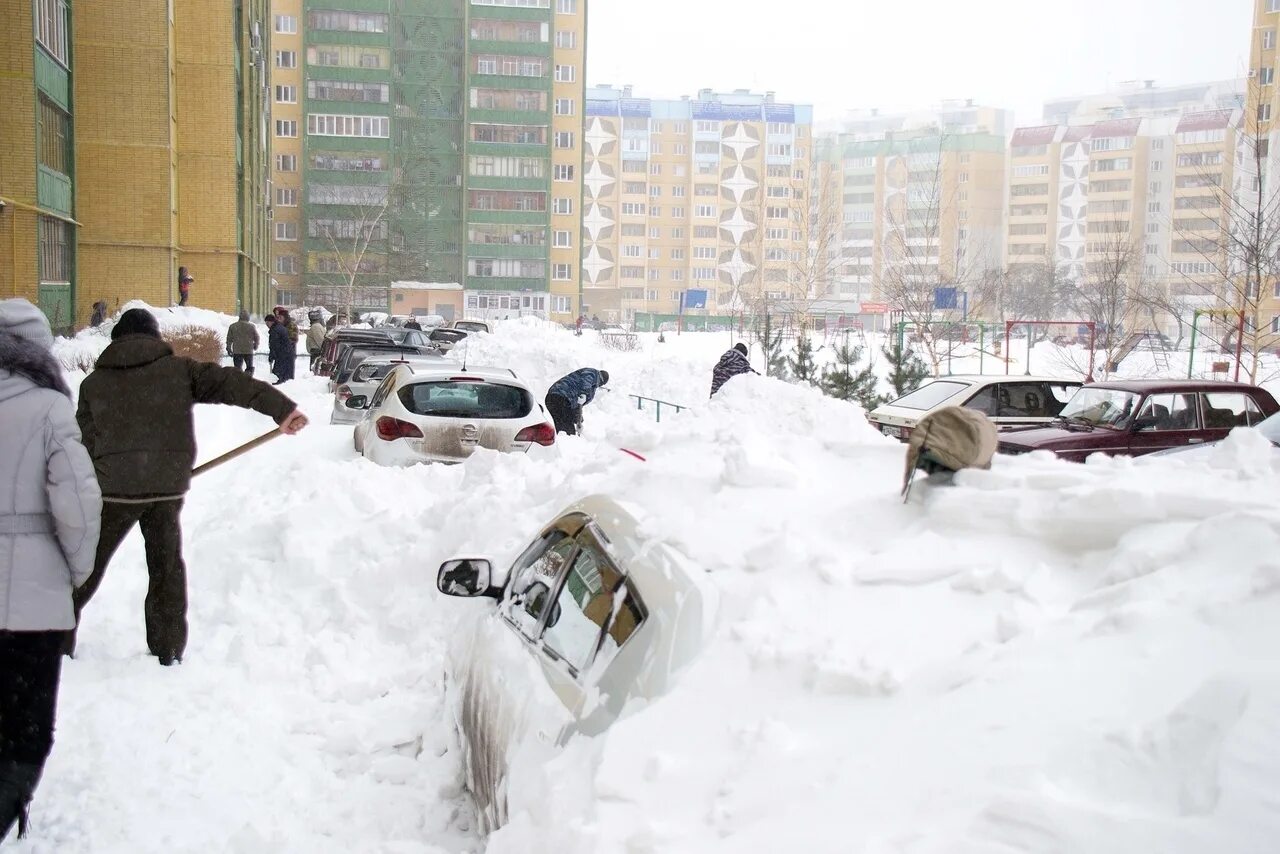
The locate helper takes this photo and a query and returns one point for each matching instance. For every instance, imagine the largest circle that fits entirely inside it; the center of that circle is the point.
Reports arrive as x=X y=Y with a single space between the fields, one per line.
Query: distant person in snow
x=412 y=323
x=184 y=285
x=49 y=511
x=281 y=356
x=290 y=326
x=315 y=339
x=135 y=415
x=731 y=364
x=99 y=313
x=569 y=394
x=242 y=343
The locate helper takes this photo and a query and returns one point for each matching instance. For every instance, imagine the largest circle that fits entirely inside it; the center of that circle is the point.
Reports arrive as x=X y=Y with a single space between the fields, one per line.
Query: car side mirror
x=358 y=401
x=465 y=577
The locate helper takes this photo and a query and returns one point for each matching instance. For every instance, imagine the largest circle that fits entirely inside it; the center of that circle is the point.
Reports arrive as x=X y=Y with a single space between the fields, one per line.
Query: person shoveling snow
x=948 y=440
x=569 y=394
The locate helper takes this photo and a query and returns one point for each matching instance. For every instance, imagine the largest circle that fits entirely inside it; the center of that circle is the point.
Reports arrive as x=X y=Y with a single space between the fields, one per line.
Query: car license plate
x=889 y=430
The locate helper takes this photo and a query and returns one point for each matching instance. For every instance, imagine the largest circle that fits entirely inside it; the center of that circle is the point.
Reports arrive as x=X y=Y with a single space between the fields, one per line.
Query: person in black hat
x=136 y=421
x=732 y=363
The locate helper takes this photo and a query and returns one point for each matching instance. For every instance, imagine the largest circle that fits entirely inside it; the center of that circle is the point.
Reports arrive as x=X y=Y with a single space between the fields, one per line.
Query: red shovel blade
x=634 y=454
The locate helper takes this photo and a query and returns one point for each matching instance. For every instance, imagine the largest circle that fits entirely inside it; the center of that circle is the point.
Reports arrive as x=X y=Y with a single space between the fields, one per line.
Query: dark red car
x=1138 y=417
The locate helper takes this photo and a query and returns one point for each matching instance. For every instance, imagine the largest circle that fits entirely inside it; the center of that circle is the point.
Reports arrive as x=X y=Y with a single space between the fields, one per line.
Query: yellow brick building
x=287 y=93
x=1262 y=115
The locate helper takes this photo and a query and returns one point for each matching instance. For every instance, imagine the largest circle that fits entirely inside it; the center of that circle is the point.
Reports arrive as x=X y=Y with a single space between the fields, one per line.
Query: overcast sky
x=840 y=54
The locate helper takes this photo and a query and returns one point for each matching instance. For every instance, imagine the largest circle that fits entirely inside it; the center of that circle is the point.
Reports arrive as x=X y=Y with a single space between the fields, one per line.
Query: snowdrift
x=1044 y=657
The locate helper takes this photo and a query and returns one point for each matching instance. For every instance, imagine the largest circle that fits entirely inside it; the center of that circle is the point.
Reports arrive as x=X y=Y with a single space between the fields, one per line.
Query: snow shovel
x=232 y=454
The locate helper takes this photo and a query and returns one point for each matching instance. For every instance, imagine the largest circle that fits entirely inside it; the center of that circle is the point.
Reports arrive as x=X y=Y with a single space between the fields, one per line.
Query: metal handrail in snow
x=640 y=399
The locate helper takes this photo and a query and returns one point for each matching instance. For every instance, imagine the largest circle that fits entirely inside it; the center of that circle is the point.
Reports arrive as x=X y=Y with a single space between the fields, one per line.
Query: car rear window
x=466 y=400
x=929 y=396
x=469 y=326
x=369 y=373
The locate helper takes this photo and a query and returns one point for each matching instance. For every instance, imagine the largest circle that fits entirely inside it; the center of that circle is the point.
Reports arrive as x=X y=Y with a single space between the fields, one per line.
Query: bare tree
x=354 y=251
x=1110 y=292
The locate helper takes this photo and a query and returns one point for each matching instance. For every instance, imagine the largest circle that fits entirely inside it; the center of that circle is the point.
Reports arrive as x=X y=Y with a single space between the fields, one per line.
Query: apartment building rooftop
x=1143 y=98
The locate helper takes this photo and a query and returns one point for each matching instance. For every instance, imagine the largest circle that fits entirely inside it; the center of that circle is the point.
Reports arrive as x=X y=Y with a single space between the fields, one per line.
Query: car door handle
x=1195 y=441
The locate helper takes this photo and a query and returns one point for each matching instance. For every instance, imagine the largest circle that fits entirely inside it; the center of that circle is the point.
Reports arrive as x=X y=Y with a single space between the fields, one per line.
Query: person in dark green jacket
x=135 y=417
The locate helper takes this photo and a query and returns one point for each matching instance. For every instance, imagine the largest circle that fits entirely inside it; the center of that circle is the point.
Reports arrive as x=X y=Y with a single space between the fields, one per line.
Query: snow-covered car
x=1268 y=427
x=605 y=613
x=1009 y=401
x=470 y=326
x=369 y=374
x=442 y=414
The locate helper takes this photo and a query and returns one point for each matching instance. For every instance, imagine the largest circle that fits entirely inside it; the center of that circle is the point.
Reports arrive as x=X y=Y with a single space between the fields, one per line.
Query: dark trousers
x=565 y=413
x=182 y=297
x=30 y=663
x=166 y=604
x=243 y=362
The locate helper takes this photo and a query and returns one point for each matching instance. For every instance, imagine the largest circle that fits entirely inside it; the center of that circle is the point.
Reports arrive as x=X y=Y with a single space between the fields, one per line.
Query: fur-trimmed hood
x=25 y=365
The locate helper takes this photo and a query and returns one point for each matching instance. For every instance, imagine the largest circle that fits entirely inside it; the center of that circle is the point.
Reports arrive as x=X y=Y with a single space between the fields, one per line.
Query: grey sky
x=839 y=54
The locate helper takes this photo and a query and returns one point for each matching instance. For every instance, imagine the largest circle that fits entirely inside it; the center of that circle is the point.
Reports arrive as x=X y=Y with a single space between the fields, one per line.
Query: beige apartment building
x=288 y=229
x=1262 y=123
x=698 y=205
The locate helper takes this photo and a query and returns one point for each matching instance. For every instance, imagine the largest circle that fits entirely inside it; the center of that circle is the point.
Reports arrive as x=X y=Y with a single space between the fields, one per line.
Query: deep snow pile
x=1046 y=657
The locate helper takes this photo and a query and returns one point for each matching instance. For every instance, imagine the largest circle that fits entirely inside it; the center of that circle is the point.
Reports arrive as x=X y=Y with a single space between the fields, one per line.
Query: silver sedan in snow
x=606 y=614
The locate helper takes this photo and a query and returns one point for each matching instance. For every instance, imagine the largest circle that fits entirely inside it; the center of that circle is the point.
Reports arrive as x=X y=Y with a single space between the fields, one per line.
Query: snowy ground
x=1046 y=658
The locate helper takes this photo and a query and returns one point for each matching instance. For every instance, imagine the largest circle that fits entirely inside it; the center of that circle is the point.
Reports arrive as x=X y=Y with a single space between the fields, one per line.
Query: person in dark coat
x=569 y=394
x=99 y=313
x=731 y=364
x=49 y=510
x=412 y=323
x=280 y=353
x=136 y=419
x=184 y=285
x=242 y=343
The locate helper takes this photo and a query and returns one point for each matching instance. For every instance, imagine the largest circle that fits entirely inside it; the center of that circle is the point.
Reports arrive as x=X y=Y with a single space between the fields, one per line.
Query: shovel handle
x=232 y=454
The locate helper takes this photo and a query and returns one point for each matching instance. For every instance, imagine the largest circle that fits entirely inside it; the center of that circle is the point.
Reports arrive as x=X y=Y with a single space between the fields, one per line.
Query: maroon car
x=1138 y=417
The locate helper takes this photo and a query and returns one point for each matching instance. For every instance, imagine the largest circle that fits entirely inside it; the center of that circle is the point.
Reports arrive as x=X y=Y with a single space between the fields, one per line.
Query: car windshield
x=1101 y=407
x=1271 y=428
x=929 y=396
x=469 y=326
x=368 y=373
x=466 y=399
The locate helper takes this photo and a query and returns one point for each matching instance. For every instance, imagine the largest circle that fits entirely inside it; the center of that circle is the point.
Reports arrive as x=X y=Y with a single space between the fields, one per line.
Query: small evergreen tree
x=800 y=364
x=906 y=369
x=770 y=340
x=844 y=382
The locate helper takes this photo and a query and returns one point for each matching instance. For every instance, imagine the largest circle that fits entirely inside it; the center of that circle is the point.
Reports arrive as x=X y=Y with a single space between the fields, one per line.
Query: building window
x=54 y=135
x=704 y=211
x=319 y=124
x=287 y=264
x=286 y=127
x=1273 y=5
x=349 y=56
x=286 y=94
x=564 y=106
x=566 y=39
x=348 y=22
x=532 y=4
x=286 y=163
x=561 y=205
x=570 y=7
x=563 y=172
x=565 y=74
x=561 y=272
x=343 y=90
x=1268 y=39
x=510 y=134
x=1267 y=76
x=286 y=231
x=1264 y=110
x=561 y=305
x=564 y=139
x=55 y=250
x=286 y=197
x=51 y=27
x=562 y=240
x=678 y=213
x=349 y=163
x=286 y=24
x=286 y=59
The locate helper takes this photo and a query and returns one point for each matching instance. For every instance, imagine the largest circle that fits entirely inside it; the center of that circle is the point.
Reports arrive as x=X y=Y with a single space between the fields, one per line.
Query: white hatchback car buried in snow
x=442 y=414
x=604 y=613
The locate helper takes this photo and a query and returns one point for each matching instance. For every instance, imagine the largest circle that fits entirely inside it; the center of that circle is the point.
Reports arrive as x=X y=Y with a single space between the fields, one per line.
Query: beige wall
x=417 y=301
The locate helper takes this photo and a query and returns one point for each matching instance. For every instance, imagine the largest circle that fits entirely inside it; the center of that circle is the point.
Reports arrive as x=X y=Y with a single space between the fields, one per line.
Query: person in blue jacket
x=569 y=394
x=280 y=352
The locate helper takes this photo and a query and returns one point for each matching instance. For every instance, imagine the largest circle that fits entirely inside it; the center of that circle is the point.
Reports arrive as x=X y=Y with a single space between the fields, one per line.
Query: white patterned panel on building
x=1073 y=207
x=598 y=218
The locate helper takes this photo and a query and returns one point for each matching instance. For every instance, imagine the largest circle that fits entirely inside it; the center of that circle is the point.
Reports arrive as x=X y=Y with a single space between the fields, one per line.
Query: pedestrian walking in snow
x=135 y=415
x=281 y=356
x=184 y=285
x=242 y=343
x=569 y=394
x=731 y=364
x=577 y=325
x=412 y=323
x=99 y=313
x=49 y=513
x=315 y=339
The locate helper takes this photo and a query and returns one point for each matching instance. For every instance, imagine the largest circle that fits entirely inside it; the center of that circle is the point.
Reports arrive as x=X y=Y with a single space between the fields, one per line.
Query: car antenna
x=466 y=350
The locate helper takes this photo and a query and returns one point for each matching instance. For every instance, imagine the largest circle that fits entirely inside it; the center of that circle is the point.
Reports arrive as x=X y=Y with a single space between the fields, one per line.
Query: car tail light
x=542 y=434
x=344 y=392
x=390 y=429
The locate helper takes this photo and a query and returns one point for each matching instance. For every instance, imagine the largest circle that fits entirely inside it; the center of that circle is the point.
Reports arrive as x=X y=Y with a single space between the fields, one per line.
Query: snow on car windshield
x=929 y=396
x=467 y=399
x=1102 y=407
x=1271 y=428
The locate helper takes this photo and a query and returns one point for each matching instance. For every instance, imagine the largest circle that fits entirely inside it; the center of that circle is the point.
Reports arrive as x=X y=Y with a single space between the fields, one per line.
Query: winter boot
x=17 y=784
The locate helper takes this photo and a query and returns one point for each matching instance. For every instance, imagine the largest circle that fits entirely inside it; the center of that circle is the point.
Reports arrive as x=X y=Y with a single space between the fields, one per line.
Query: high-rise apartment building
x=705 y=194
x=182 y=182
x=288 y=229
x=37 y=186
x=1143 y=99
x=440 y=142
x=921 y=199
x=1262 y=125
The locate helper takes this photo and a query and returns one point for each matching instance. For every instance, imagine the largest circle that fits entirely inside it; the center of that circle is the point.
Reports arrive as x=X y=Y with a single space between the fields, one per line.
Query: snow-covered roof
x=426 y=286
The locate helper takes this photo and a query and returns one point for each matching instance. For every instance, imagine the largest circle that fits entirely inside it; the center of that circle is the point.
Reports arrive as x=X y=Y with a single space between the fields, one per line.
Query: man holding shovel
x=135 y=415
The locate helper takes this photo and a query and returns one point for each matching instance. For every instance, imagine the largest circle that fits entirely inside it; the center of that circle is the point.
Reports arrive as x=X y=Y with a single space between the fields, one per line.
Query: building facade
x=288 y=229
x=703 y=196
x=37 y=166
x=440 y=142
x=1262 y=128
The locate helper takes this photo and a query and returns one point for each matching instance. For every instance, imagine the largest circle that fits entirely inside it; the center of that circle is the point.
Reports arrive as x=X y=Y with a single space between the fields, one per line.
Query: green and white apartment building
x=434 y=141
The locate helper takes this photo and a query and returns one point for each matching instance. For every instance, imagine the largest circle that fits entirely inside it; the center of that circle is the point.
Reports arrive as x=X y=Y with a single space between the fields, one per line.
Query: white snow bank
x=1045 y=657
